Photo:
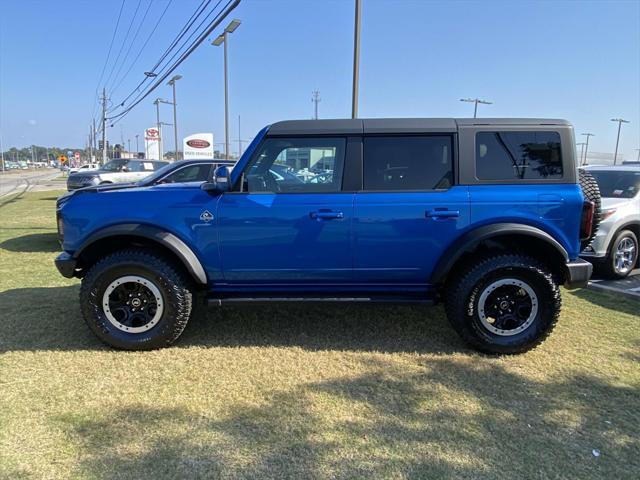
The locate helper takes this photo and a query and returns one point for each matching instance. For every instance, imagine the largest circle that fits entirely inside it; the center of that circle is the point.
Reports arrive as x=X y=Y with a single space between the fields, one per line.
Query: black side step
x=217 y=302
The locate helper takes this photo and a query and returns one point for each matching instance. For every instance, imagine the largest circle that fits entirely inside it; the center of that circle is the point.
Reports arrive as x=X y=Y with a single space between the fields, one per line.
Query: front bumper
x=66 y=265
x=578 y=273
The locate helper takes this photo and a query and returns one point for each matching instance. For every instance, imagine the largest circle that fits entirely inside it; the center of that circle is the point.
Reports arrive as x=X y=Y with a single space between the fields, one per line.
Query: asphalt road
x=28 y=180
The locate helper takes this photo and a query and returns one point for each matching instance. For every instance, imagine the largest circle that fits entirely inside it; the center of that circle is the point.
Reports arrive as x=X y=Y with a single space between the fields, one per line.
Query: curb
x=604 y=288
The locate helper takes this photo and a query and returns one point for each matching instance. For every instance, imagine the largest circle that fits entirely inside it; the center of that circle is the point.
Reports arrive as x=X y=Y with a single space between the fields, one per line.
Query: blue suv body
x=485 y=214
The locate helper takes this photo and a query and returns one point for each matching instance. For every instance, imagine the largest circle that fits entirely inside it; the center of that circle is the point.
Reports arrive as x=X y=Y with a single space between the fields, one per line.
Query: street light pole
x=223 y=38
x=137 y=147
x=158 y=127
x=586 y=147
x=475 y=101
x=620 y=122
x=172 y=82
x=356 y=60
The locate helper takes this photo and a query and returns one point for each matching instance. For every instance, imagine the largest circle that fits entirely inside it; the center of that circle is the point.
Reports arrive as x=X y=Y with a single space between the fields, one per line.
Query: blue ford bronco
x=487 y=216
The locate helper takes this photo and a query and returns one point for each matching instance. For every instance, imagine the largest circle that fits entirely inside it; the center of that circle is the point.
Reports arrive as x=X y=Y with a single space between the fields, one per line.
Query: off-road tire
x=607 y=266
x=464 y=290
x=591 y=192
x=171 y=282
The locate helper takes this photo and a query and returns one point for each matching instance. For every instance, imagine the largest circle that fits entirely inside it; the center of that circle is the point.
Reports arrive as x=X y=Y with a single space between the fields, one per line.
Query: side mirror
x=219 y=182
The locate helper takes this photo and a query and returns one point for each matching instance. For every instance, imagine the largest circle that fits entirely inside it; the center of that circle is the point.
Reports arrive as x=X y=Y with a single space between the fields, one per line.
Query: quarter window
x=296 y=165
x=408 y=163
x=518 y=156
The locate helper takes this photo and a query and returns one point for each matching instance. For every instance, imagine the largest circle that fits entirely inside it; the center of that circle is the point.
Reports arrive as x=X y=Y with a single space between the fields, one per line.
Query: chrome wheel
x=507 y=306
x=132 y=304
x=625 y=256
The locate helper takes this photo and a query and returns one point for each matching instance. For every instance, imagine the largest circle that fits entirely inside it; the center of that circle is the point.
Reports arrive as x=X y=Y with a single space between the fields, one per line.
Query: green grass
x=292 y=392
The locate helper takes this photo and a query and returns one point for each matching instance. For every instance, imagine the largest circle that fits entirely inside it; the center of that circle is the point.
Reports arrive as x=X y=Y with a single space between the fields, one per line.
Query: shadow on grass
x=50 y=319
x=385 y=423
x=35 y=242
x=608 y=300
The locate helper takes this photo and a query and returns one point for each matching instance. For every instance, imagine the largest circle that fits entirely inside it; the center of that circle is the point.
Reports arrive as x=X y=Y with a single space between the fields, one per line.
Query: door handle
x=325 y=215
x=442 y=213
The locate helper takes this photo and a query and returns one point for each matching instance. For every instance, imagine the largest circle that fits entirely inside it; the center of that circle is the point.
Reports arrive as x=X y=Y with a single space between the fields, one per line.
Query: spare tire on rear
x=591 y=192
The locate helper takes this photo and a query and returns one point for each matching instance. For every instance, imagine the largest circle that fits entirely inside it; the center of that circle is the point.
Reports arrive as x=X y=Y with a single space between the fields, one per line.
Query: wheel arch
x=503 y=236
x=114 y=237
x=634 y=226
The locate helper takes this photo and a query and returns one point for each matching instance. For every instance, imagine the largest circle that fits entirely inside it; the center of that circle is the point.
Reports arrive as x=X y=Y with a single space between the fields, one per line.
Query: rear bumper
x=578 y=273
x=66 y=265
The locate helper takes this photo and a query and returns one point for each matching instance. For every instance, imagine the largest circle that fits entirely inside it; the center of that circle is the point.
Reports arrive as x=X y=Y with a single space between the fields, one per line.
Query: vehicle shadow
x=35 y=242
x=448 y=420
x=608 y=300
x=50 y=319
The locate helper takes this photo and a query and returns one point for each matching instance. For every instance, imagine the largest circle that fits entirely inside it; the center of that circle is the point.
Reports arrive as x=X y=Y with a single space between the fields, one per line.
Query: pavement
x=629 y=287
x=29 y=181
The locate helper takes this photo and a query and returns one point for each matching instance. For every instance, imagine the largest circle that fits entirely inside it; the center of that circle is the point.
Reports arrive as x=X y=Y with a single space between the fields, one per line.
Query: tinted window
x=292 y=165
x=192 y=173
x=617 y=184
x=408 y=163
x=518 y=155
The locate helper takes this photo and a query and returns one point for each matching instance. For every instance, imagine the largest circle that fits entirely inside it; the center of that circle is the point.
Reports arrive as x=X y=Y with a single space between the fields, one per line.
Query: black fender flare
x=166 y=239
x=473 y=238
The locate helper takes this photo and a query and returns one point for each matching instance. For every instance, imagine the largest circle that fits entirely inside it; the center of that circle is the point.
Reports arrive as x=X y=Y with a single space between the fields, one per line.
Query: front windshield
x=617 y=184
x=114 y=165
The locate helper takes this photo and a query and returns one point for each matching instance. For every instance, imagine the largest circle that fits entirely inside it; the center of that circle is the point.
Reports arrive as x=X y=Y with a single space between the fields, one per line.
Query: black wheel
x=591 y=192
x=503 y=304
x=623 y=255
x=136 y=300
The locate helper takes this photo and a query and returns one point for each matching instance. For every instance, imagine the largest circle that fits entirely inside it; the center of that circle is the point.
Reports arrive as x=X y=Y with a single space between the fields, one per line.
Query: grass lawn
x=293 y=392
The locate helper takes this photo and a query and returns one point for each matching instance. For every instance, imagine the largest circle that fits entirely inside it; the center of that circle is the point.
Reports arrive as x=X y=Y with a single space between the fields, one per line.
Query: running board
x=217 y=302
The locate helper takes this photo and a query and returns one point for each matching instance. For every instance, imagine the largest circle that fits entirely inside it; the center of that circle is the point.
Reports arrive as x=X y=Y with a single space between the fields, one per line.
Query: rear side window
x=192 y=173
x=408 y=163
x=518 y=156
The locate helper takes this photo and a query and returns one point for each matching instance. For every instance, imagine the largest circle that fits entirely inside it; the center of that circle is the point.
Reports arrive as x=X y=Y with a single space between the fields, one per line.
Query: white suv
x=614 y=250
x=119 y=170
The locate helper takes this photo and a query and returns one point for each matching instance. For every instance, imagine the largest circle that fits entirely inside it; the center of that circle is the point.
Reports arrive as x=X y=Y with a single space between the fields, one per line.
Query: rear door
x=290 y=223
x=409 y=210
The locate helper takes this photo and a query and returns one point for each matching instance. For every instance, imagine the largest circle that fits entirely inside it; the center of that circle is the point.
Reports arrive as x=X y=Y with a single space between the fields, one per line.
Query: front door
x=289 y=222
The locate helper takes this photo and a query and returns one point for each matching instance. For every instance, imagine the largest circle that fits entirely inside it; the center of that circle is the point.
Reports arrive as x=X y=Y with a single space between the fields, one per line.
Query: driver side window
x=296 y=165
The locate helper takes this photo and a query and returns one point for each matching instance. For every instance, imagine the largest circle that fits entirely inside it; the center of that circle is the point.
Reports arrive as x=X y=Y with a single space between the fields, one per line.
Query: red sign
x=198 y=143
x=152 y=134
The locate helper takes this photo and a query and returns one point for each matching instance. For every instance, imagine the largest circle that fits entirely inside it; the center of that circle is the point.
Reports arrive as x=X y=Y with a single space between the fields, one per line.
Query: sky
x=577 y=60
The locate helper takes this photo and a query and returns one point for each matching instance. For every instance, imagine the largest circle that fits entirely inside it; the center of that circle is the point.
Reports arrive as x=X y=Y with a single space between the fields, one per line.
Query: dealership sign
x=152 y=144
x=198 y=145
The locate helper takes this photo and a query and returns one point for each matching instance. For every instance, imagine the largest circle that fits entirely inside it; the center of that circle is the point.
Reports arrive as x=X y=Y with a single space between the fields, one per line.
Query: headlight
x=607 y=213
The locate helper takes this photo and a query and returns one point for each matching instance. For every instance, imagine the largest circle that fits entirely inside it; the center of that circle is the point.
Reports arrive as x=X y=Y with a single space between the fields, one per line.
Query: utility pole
x=104 y=126
x=315 y=98
x=638 y=150
x=356 y=60
x=620 y=122
x=239 y=140
x=137 y=147
x=129 y=147
x=475 y=101
x=586 y=147
x=1 y=152
x=581 y=145
x=172 y=82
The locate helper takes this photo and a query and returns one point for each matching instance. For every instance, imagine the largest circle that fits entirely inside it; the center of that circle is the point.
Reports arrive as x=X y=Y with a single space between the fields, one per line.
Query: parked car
x=115 y=171
x=487 y=215
x=614 y=250
x=84 y=168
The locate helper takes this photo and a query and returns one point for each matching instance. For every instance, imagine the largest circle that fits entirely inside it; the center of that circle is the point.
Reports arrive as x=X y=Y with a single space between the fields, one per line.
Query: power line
x=133 y=40
x=228 y=8
x=203 y=5
x=104 y=67
x=124 y=41
x=143 y=47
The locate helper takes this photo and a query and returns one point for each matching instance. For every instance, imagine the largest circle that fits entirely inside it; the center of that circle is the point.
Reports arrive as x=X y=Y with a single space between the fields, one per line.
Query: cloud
x=32 y=123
